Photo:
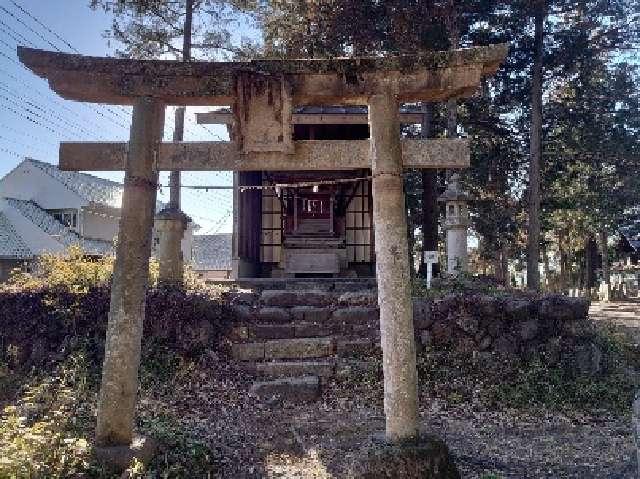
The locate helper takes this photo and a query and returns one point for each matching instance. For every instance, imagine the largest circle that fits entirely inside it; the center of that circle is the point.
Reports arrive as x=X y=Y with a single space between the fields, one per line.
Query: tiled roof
x=89 y=187
x=57 y=230
x=212 y=252
x=11 y=244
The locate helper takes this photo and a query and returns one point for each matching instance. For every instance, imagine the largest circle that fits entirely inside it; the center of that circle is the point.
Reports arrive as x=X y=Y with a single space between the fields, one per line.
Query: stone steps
x=298 y=333
x=297 y=389
x=299 y=348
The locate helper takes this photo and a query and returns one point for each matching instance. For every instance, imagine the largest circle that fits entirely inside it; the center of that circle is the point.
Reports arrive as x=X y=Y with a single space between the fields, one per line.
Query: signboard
x=430 y=257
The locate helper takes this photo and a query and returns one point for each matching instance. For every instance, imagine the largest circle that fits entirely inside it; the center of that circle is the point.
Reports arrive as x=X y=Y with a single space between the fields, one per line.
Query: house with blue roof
x=46 y=210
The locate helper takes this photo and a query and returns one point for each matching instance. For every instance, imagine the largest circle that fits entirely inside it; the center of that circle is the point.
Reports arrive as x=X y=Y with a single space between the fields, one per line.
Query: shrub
x=74 y=270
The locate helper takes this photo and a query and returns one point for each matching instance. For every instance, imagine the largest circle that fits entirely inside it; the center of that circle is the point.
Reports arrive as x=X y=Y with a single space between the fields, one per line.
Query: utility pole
x=171 y=221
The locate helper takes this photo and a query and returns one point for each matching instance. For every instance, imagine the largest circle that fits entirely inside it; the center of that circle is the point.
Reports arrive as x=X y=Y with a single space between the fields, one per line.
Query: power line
x=44 y=26
x=115 y=113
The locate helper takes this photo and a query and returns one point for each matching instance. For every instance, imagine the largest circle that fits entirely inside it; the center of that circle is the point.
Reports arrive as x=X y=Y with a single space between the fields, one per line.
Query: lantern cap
x=454 y=191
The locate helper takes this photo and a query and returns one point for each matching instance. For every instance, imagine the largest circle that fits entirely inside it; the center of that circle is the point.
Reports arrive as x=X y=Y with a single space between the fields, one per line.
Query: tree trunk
x=392 y=270
x=533 y=234
x=430 y=211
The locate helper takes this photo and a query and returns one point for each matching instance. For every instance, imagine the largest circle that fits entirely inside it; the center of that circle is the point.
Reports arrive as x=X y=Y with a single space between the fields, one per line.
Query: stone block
x=273 y=331
x=426 y=339
x=506 y=345
x=310 y=313
x=300 y=348
x=356 y=314
x=278 y=298
x=285 y=298
x=120 y=458
x=487 y=306
x=466 y=322
x=424 y=457
x=370 y=329
x=485 y=343
x=247 y=351
x=312 y=330
x=243 y=312
x=274 y=315
x=354 y=347
x=529 y=329
x=442 y=333
x=580 y=327
x=563 y=308
x=242 y=298
x=358 y=298
x=495 y=328
x=355 y=285
x=297 y=368
x=304 y=389
x=422 y=318
x=239 y=333
x=517 y=309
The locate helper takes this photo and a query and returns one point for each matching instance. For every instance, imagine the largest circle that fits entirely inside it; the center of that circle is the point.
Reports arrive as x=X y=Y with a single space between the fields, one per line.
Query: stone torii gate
x=263 y=95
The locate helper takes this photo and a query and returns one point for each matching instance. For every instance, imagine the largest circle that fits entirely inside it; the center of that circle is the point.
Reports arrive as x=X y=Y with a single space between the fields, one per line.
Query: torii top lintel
x=429 y=76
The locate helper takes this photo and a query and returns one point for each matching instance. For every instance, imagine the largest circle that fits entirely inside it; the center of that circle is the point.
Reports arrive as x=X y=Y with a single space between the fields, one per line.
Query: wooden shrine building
x=307 y=223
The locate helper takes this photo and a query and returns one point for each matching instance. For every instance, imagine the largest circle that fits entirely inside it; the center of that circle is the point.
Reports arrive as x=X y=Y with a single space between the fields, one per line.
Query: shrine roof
x=116 y=80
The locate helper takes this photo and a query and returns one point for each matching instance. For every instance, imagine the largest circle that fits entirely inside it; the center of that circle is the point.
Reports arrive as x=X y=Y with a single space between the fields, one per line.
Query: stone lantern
x=171 y=224
x=456 y=225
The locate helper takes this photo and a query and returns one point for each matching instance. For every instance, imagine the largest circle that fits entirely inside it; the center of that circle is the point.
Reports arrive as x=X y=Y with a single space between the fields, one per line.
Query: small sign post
x=430 y=258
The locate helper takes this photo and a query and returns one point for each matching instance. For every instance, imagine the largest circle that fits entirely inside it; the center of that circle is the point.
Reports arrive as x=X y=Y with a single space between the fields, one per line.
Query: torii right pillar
x=392 y=268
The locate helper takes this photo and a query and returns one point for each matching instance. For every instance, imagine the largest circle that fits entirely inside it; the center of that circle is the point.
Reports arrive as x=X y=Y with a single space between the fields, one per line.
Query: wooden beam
x=224 y=156
x=226 y=118
x=428 y=76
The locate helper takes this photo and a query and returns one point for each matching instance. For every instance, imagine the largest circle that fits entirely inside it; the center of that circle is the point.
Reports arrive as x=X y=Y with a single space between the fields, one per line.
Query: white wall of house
x=38 y=241
x=29 y=183
x=99 y=224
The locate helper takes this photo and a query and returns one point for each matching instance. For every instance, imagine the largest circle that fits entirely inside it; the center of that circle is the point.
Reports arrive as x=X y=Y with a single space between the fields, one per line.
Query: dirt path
x=316 y=441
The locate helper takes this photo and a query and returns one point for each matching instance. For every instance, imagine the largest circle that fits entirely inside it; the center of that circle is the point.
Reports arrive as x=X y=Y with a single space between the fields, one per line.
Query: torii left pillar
x=116 y=405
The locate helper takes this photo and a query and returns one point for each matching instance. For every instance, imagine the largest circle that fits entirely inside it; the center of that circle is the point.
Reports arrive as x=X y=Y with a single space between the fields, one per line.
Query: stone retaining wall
x=507 y=323
x=512 y=325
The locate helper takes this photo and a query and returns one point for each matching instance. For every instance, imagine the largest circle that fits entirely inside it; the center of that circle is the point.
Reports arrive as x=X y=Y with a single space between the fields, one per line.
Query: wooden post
x=116 y=405
x=392 y=270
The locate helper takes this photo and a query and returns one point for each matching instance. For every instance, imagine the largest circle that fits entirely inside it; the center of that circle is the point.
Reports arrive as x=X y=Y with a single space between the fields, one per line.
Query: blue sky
x=33 y=120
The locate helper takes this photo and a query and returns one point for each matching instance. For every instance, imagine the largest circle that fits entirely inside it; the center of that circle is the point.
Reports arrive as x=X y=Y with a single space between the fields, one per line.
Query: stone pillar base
x=120 y=458
x=424 y=457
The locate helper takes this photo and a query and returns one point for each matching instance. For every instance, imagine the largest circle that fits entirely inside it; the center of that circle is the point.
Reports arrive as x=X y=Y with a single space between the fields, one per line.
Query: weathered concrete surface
x=308 y=154
x=428 y=76
x=392 y=269
x=302 y=389
x=119 y=385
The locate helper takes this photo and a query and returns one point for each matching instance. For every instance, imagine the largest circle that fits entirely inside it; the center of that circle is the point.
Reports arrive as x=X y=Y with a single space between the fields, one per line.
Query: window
x=67 y=218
